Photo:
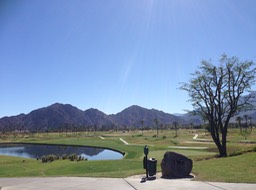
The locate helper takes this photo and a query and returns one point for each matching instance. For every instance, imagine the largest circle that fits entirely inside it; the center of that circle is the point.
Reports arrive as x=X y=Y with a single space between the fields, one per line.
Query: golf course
x=239 y=166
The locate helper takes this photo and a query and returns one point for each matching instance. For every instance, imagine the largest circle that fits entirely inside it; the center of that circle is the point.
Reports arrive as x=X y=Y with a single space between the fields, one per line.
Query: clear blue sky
x=111 y=54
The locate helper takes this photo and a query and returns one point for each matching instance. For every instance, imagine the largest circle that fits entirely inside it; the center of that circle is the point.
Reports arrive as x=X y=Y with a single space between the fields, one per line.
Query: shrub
x=64 y=157
x=174 y=142
x=48 y=158
x=71 y=157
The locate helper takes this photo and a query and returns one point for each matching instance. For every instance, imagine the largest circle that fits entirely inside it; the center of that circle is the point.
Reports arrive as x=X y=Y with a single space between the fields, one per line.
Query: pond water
x=39 y=150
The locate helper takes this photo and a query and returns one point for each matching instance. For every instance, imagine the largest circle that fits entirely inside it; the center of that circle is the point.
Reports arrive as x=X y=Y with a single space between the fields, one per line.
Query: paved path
x=195 y=137
x=125 y=142
x=189 y=147
x=130 y=183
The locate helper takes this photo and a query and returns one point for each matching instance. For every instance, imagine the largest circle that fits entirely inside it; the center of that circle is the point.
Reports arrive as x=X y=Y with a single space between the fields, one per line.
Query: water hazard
x=39 y=150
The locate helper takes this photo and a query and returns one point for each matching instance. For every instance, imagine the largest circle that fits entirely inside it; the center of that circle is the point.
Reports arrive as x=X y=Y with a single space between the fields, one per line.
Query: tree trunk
x=221 y=147
x=220 y=143
x=223 y=152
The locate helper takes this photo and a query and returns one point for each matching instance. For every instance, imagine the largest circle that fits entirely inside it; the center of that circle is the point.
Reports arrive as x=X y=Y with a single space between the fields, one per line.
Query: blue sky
x=111 y=54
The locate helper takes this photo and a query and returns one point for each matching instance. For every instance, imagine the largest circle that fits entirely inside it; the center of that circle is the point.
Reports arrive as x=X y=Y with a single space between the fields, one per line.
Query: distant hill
x=54 y=116
x=58 y=116
x=96 y=117
x=196 y=120
x=63 y=116
x=132 y=116
x=251 y=113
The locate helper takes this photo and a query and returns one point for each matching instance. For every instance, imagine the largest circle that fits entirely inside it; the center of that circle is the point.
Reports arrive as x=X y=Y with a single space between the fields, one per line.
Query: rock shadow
x=183 y=177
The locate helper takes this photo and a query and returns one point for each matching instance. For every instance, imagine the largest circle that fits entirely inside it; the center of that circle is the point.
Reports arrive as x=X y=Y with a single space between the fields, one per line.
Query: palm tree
x=142 y=126
x=247 y=128
x=191 y=126
x=250 y=120
x=239 y=119
x=157 y=124
x=246 y=120
x=175 y=123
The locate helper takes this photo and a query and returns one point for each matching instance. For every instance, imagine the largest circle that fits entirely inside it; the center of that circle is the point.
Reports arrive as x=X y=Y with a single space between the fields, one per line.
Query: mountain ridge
x=60 y=115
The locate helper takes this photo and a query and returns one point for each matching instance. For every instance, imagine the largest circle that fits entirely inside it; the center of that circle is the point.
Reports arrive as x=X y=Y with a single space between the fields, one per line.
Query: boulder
x=175 y=165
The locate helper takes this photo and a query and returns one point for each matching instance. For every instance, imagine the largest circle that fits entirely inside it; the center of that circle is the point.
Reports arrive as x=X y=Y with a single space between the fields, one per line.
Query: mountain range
x=60 y=115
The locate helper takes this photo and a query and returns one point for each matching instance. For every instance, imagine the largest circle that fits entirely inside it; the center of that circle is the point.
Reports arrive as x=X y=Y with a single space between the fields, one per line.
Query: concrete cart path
x=130 y=183
x=125 y=142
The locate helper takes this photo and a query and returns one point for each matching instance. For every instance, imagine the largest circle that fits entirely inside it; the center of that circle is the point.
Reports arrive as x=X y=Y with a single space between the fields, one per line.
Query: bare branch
x=216 y=93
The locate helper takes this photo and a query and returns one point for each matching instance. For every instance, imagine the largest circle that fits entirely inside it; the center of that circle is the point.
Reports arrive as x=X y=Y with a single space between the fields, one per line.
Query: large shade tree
x=219 y=92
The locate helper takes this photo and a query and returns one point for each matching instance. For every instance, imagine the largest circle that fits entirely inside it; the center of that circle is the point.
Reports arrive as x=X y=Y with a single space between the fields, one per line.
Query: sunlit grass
x=131 y=164
x=231 y=169
x=17 y=167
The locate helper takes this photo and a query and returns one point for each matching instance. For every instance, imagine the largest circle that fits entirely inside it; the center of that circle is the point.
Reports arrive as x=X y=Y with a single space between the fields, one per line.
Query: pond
x=39 y=150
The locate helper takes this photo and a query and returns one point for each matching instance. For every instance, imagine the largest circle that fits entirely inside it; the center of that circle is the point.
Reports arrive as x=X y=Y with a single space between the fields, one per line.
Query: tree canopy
x=219 y=92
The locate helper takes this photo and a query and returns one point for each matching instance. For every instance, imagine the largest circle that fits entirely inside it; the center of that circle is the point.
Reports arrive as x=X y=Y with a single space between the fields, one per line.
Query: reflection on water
x=39 y=150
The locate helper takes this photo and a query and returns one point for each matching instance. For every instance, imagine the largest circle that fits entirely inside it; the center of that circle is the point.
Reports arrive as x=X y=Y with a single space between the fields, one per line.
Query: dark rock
x=175 y=165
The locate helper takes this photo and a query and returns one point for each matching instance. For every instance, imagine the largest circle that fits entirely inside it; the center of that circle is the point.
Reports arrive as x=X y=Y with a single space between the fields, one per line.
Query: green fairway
x=16 y=167
x=224 y=169
x=240 y=168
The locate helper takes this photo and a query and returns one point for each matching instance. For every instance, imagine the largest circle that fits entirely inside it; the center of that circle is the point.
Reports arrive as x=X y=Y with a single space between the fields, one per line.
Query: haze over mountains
x=57 y=115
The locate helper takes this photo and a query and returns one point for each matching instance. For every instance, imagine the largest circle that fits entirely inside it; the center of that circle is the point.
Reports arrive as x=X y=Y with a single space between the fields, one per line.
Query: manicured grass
x=131 y=164
x=16 y=167
x=240 y=168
